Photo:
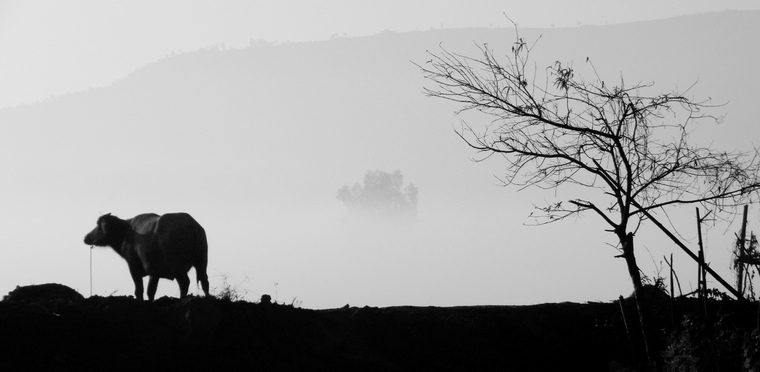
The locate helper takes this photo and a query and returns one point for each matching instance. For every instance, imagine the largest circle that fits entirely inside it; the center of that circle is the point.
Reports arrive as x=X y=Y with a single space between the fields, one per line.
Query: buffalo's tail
x=201 y=261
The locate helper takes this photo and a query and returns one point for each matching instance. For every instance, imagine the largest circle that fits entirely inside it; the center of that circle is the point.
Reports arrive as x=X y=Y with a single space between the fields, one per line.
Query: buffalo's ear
x=103 y=222
x=103 y=217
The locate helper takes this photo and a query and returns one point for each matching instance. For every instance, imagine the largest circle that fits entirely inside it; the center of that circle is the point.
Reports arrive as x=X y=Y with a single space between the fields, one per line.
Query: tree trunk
x=633 y=271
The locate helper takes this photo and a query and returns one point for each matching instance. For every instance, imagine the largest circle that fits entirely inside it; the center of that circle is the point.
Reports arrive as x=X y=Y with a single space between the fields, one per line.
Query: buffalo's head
x=108 y=232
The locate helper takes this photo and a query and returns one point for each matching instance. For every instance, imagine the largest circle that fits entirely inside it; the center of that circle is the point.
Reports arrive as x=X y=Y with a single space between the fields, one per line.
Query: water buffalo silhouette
x=164 y=246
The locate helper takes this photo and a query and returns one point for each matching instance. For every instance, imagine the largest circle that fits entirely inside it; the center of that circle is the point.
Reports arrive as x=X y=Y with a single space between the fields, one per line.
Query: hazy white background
x=53 y=47
x=273 y=222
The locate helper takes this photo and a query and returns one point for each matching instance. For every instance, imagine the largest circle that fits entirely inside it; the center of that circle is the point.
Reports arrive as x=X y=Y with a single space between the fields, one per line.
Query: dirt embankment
x=51 y=327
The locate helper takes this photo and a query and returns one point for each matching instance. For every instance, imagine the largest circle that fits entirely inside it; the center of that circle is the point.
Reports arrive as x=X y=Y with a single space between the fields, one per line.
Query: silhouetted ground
x=51 y=327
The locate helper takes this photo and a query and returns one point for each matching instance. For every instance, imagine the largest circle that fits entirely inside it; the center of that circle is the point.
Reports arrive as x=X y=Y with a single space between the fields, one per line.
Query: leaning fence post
x=740 y=265
x=672 y=297
x=627 y=330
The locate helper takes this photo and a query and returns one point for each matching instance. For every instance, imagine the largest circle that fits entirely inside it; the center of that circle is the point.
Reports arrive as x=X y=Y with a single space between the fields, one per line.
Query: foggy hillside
x=255 y=143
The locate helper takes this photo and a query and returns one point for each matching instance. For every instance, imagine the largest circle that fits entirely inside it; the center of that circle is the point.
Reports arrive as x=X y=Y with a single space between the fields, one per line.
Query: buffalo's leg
x=203 y=278
x=152 y=286
x=137 y=279
x=184 y=284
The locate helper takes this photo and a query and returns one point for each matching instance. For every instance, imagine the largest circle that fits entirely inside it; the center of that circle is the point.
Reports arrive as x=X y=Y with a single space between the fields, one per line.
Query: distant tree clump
x=381 y=195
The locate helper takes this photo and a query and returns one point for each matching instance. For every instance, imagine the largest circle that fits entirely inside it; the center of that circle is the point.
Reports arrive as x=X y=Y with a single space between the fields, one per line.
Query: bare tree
x=558 y=130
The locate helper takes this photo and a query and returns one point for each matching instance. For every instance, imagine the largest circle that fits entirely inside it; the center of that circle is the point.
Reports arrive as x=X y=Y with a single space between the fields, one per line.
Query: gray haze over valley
x=255 y=143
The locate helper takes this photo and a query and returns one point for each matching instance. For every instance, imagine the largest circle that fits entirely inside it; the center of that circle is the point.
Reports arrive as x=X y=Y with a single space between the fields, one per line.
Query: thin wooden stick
x=627 y=330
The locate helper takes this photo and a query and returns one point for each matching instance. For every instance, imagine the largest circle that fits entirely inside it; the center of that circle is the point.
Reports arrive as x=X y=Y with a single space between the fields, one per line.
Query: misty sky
x=50 y=48
x=266 y=235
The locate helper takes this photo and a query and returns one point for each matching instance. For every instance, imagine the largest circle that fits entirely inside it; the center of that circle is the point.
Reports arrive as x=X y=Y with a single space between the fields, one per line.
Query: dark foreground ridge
x=52 y=327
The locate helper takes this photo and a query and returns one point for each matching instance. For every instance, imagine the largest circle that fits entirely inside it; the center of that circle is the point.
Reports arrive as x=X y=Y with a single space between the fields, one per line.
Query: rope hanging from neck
x=90 y=271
